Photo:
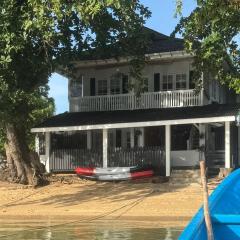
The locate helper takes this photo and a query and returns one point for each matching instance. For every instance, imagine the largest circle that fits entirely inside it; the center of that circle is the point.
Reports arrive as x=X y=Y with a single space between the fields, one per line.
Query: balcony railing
x=166 y=99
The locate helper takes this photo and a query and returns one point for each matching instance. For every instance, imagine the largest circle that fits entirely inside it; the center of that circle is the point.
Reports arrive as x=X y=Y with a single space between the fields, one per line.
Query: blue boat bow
x=224 y=205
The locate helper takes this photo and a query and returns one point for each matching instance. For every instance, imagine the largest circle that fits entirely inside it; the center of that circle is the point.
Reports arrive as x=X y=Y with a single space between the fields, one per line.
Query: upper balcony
x=163 y=99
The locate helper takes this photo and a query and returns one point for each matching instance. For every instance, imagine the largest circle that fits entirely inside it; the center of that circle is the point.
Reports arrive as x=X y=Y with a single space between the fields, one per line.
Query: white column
x=168 y=149
x=89 y=139
x=132 y=137
x=105 y=148
x=37 y=144
x=141 y=140
x=227 y=145
x=48 y=147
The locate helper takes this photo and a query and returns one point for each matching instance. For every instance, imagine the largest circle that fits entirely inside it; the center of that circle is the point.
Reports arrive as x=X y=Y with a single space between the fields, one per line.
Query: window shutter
x=125 y=84
x=156 y=82
x=191 y=80
x=92 y=86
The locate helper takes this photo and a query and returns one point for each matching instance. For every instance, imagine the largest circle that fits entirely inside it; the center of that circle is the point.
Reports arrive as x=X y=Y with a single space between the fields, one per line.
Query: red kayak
x=114 y=174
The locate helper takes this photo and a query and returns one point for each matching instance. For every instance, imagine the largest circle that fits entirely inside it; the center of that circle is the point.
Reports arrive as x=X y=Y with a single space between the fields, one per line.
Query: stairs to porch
x=182 y=177
x=215 y=160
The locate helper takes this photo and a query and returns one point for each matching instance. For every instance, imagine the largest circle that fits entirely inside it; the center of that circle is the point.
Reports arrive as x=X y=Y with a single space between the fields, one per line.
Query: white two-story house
x=166 y=126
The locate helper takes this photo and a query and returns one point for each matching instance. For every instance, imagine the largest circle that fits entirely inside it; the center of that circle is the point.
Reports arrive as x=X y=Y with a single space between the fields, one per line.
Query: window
x=181 y=81
x=76 y=87
x=102 y=87
x=115 y=86
x=167 y=82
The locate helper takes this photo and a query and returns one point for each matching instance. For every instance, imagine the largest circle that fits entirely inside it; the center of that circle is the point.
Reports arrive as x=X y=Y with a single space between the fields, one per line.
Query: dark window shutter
x=156 y=82
x=191 y=80
x=118 y=138
x=92 y=86
x=125 y=84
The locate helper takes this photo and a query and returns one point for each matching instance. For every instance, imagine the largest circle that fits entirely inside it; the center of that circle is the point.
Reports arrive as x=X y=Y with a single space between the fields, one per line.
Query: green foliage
x=212 y=33
x=38 y=36
x=43 y=108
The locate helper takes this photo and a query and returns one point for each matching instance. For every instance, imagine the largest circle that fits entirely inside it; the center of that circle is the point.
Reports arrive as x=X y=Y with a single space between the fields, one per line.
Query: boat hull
x=224 y=205
x=114 y=174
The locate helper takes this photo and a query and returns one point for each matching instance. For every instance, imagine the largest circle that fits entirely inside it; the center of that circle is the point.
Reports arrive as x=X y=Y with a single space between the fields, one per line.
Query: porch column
x=89 y=139
x=37 y=144
x=48 y=147
x=141 y=140
x=132 y=137
x=105 y=148
x=227 y=145
x=168 y=149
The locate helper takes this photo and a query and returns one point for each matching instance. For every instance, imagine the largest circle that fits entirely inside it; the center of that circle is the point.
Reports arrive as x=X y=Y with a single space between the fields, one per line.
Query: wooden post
x=238 y=145
x=105 y=148
x=227 y=145
x=168 y=149
x=205 y=201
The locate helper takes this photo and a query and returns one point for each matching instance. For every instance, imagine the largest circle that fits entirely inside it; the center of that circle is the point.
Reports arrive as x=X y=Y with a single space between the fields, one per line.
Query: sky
x=162 y=20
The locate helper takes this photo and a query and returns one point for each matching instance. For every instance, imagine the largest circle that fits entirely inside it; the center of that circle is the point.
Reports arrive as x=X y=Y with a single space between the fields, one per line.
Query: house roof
x=158 y=43
x=162 y=116
x=162 y=43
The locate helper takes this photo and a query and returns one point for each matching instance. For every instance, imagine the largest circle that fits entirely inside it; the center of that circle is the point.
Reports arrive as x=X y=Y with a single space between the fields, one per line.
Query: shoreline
x=158 y=204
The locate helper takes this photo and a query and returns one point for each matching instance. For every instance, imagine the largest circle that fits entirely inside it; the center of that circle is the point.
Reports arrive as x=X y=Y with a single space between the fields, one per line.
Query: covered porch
x=99 y=148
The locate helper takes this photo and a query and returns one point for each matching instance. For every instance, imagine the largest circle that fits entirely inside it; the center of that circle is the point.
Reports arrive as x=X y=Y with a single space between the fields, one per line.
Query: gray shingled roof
x=158 y=43
x=162 y=43
x=142 y=115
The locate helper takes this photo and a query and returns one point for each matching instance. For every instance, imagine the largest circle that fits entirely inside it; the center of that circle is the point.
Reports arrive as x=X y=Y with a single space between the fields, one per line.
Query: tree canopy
x=211 y=32
x=37 y=37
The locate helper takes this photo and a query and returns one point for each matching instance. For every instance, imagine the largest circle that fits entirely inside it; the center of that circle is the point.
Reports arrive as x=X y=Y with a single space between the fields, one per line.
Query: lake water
x=87 y=231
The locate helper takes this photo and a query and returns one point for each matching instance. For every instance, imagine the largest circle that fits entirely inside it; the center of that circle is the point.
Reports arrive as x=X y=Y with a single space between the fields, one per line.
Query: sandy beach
x=161 y=203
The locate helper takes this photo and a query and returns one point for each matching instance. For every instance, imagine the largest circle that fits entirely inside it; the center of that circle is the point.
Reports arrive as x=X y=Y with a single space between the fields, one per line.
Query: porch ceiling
x=139 y=118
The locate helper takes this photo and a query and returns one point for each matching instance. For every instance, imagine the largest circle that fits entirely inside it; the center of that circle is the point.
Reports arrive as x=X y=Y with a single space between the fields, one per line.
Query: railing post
x=105 y=148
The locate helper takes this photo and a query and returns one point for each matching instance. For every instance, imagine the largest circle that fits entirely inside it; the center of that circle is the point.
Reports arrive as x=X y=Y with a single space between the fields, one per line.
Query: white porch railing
x=166 y=99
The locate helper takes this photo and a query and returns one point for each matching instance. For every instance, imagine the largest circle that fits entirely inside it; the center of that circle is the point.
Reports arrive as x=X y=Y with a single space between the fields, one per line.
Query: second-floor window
x=167 y=84
x=102 y=87
x=181 y=81
x=76 y=87
x=115 y=86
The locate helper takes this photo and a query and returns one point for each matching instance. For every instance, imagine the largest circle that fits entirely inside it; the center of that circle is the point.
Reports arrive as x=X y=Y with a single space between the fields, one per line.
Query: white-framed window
x=102 y=87
x=181 y=81
x=76 y=87
x=167 y=83
x=115 y=86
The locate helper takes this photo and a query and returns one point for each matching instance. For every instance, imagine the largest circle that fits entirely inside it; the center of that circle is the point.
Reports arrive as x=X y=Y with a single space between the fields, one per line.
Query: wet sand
x=159 y=204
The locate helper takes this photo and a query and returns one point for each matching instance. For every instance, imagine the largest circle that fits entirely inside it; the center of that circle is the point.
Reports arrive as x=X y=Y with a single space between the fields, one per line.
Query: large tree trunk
x=20 y=158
